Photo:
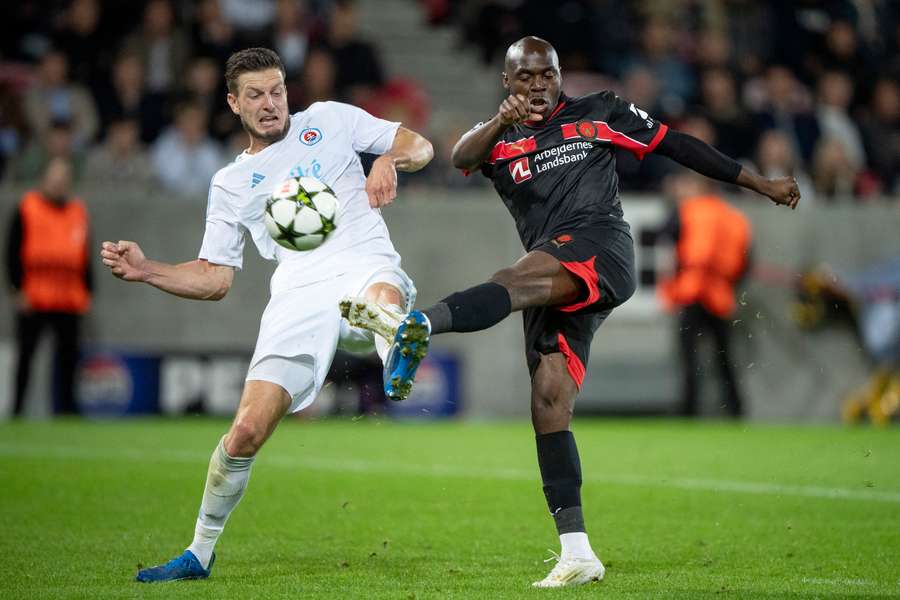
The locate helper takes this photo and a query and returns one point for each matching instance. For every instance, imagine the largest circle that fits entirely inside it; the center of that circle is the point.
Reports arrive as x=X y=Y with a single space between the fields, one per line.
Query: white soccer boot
x=371 y=316
x=572 y=571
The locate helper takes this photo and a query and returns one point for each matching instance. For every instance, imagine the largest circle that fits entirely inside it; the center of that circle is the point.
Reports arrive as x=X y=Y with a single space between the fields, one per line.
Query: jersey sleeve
x=223 y=240
x=367 y=133
x=632 y=128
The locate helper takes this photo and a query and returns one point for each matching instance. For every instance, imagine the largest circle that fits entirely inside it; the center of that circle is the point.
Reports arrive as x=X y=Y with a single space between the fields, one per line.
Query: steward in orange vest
x=713 y=243
x=49 y=270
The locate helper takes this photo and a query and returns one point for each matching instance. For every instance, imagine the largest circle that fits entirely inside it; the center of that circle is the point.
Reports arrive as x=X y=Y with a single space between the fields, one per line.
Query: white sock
x=576 y=545
x=382 y=345
x=225 y=482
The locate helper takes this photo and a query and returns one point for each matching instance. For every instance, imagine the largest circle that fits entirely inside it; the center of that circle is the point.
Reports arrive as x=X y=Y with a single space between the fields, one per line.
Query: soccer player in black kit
x=551 y=159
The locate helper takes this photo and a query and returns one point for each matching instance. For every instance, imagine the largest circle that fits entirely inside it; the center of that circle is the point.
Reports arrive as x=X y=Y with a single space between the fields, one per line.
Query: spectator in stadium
x=834 y=172
x=248 y=18
x=880 y=124
x=203 y=87
x=56 y=142
x=53 y=98
x=211 y=33
x=721 y=106
x=87 y=46
x=358 y=69
x=121 y=159
x=641 y=87
x=712 y=242
x=657 y=54
x=775 y=157
x=319 y=75
x=290 y=35
x=13 y=126
x=840 y=50
x=714 y=51
x=49 y=270
x=126 y=95
x=164 y=49
x=786 y=106
x=185 y=157
x=835 y=93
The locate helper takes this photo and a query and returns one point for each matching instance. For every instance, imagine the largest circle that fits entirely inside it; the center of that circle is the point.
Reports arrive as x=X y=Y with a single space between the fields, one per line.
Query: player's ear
x=233 y=103
x=505 y=81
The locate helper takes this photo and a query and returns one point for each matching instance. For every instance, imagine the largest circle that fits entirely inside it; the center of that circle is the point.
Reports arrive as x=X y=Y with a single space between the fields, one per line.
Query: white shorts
x=302 y=327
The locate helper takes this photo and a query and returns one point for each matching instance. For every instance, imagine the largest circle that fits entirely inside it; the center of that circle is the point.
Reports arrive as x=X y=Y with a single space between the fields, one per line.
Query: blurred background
x=132 y=96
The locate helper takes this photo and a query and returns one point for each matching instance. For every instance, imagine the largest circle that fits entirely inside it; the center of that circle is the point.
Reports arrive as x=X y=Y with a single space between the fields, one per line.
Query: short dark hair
x=247 y=61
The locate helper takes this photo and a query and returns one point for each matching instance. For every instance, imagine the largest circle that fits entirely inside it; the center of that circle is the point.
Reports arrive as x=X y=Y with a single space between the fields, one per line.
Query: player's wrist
x=391 y=158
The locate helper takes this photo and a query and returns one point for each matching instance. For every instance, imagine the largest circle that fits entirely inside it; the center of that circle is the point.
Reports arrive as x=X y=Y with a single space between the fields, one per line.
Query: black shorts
x=602 y=257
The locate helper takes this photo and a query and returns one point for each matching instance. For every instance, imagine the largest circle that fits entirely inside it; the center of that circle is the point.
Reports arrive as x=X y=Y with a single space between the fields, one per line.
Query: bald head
x=529 y=45
x=532 y=72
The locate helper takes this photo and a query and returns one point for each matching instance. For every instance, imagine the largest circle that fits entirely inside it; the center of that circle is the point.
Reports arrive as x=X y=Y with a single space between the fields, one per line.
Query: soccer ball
x=301 y=212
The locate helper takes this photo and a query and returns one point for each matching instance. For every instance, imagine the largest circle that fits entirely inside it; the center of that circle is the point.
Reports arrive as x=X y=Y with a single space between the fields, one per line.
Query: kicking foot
x=185 y=566
x=572 y=571
x=405 y=356
x=371 y=316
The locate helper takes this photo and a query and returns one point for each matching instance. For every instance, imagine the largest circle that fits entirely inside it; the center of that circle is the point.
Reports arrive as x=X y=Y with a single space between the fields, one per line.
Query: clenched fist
x=125 y=259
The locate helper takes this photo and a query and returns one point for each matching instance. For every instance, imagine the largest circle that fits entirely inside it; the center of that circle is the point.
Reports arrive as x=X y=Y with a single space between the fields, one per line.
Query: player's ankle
x=576 y=545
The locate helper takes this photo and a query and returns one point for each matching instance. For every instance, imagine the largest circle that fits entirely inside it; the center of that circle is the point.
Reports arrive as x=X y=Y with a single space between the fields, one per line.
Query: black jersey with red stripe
x=560 y=174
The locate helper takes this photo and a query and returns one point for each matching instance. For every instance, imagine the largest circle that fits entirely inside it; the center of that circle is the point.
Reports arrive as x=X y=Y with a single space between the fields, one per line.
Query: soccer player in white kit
x=301 y=326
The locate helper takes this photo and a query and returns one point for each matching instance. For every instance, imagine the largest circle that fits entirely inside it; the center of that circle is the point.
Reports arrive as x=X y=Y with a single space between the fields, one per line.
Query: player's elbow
x=460 y=161
x=427 y=150
x=218 y=293
x=424 y=152
x=221 y=289
x=218 y=282
x=463 y=157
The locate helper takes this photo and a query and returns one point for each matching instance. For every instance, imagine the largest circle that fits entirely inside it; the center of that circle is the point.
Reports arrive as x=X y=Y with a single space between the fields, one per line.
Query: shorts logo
x=520 y=170
x=310 y=136
x=586 y=129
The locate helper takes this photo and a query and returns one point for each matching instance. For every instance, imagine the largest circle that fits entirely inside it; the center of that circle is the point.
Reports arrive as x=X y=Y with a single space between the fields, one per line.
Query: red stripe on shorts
x=573 y=363
x=588 y=274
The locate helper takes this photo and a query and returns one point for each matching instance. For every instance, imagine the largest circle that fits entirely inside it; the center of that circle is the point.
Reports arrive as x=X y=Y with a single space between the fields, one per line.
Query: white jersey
x=322 y=142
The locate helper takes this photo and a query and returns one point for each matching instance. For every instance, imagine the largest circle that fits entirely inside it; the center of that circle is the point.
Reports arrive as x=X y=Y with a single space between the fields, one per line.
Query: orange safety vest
x=54 y=254
x=712 y=254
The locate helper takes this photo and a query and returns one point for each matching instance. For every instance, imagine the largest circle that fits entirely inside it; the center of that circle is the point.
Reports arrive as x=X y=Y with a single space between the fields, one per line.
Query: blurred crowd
x=800 y=87
x=134 y=90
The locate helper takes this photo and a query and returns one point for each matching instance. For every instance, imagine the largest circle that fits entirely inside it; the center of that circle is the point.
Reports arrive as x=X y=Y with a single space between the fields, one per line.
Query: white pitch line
x=439 y=470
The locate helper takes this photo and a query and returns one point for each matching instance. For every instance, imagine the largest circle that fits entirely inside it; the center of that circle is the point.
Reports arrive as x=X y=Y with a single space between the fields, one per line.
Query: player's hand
x=515 y=110
x=381 y=184
x=783 y=190
x=126 y=260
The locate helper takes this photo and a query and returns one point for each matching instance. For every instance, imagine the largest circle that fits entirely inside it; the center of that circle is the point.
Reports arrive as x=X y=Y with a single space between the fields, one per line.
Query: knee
x=550 y=400
x=245 y=438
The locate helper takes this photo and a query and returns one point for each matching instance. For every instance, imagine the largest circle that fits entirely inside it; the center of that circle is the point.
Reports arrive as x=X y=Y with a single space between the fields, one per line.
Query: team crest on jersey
x=586 y=129
x=520 y=170
x=310 y=136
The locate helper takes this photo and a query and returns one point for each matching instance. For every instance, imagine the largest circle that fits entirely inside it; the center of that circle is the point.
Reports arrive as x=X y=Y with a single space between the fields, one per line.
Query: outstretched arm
x=706 y=160
x=409 y=153
x=475 y=147
x=197 y=280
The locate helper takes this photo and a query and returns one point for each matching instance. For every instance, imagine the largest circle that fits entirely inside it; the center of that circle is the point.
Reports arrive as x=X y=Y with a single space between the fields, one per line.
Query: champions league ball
x=301 y=213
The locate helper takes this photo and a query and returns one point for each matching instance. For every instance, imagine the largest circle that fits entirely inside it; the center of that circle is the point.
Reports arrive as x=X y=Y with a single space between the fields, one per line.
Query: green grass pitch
x=375 y=509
